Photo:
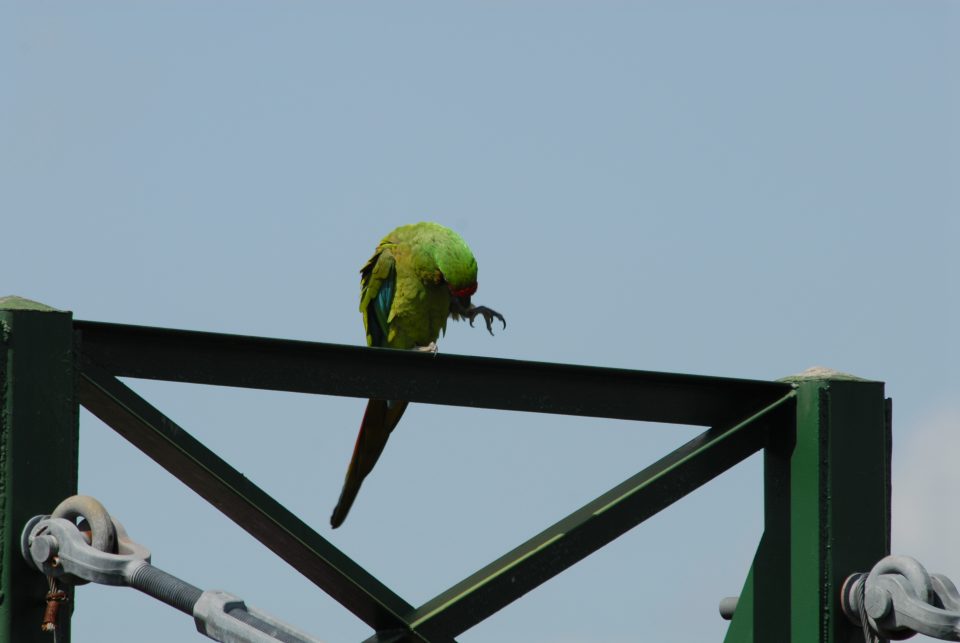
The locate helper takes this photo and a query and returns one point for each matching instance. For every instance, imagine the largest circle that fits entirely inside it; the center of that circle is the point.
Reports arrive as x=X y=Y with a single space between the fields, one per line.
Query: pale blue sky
x=738 y=188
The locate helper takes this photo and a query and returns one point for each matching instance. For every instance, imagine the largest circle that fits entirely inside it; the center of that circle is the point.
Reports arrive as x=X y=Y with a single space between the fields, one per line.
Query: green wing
x=378 y=284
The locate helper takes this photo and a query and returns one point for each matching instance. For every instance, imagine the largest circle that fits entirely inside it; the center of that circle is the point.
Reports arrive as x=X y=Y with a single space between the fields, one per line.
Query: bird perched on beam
x=419 y=276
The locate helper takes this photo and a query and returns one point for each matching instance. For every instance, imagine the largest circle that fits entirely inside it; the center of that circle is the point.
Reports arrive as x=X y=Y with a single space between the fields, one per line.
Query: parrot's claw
x=429 y=348
x=488 y=316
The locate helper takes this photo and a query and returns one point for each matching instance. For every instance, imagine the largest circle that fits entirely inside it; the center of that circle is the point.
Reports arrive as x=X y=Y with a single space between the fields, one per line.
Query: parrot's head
x=458 y=268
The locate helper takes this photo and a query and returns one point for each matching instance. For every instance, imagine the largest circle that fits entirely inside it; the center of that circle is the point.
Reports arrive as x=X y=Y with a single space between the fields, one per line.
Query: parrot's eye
x=463 y=292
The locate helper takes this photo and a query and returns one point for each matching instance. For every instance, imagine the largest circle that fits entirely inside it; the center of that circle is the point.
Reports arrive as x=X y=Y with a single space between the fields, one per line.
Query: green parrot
x=419 y=276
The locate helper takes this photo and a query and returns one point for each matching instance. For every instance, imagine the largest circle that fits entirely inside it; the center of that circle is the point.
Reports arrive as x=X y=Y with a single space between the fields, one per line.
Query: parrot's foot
x=429 y=348
x=488 y=316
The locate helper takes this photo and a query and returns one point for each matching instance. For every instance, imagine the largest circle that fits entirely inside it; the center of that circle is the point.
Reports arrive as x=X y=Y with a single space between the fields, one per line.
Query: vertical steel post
x=38 y=450
x=840 y=497
x=763 y=609
x=827 y=511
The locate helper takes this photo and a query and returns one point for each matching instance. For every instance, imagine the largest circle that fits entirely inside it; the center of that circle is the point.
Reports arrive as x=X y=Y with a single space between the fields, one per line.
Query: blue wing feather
x=378 y=280
x=381 y=305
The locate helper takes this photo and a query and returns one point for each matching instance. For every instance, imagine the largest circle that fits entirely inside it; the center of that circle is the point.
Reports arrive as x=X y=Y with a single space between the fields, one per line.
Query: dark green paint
x=763 y=611
x=826 y=466
x=38 y=450
x=237 y=497
x=854 y=512
x=827 y=490
x=742 y=628
x=596 y=524
x=333 y=369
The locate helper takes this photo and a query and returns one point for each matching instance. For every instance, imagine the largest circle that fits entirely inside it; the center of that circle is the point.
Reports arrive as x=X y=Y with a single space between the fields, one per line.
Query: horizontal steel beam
x=596 y=524
x=242 y=501
x=334 y=369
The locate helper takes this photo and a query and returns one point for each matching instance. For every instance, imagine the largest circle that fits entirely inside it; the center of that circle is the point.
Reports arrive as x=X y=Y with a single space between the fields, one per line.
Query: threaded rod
x=165 y=587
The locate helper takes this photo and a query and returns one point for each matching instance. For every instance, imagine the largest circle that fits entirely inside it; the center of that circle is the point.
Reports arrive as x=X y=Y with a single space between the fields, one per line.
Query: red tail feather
x=379 y=420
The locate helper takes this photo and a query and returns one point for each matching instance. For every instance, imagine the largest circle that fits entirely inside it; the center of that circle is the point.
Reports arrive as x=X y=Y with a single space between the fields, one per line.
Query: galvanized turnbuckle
x=98 y=550
x=899 y=598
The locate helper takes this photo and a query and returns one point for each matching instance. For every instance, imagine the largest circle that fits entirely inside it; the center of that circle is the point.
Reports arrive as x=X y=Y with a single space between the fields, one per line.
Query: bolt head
x=877 y=602
x=43 y=548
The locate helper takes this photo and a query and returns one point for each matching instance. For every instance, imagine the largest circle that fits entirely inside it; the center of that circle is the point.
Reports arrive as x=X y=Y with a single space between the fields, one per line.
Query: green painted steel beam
x=763 y=609
x=827 y=512
x=742 y=626
x=242 y=501
x=38 y=451
x=309 y=367
x=596 y=524
x=840 y=497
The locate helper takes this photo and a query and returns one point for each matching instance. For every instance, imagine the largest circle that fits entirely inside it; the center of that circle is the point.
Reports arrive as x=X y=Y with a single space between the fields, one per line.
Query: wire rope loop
x=868 y=635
